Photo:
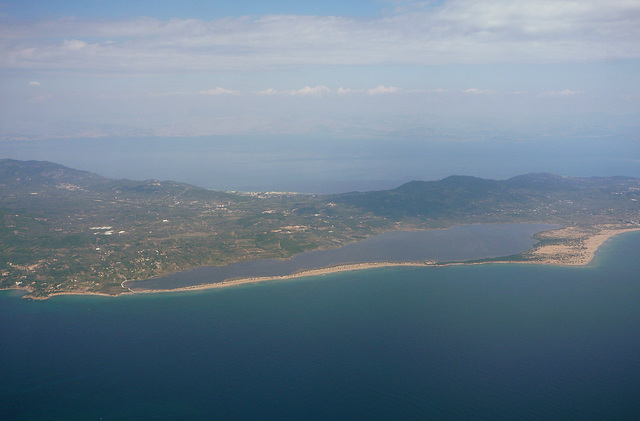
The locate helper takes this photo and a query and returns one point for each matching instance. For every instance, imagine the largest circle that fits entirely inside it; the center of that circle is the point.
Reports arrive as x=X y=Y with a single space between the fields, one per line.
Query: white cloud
x=322 y=90
x=344 y=91
x=564 y=92
x=269 y=91
x=319 y=90
x=34 y=83
x=74 y=44
x=219 y=91
x=381 y=89
x=457 y=32
x=476 y=91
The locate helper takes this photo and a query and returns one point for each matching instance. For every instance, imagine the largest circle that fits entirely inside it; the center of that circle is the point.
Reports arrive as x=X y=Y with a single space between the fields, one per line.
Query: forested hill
x=24 y=174
x=452 y=198
x=67 y=230
x=20 y=177
x=471 y=196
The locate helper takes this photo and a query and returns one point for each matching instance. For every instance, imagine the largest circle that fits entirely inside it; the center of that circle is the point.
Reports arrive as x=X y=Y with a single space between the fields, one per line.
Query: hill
x=67 y=230
x=533 y=196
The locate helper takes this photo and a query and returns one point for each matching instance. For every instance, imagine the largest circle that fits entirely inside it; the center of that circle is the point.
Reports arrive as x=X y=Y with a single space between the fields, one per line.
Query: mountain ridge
x=40 y=169
x=69 y=230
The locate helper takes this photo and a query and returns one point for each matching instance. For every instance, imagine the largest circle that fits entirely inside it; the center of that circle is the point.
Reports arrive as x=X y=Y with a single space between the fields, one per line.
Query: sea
x=474 y=342
x=307 y=164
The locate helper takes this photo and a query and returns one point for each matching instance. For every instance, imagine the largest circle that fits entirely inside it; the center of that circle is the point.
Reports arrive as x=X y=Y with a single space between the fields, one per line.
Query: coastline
x=568 y=246
x=548 y=255
x=573 y=246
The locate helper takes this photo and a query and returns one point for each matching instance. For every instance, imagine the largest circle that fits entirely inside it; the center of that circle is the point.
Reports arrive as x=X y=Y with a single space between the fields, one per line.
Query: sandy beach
x=569 y=246
x=577 y=247
x=579 y=250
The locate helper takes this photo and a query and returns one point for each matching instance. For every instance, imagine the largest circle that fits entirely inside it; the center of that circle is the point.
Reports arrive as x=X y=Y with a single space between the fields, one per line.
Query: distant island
x=64 y=231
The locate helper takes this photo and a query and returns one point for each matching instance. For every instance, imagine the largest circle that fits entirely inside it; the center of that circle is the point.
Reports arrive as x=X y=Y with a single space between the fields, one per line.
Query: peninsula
x=69 y=231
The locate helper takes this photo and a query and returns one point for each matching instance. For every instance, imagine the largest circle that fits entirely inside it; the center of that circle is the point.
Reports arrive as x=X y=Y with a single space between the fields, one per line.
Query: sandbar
x=568 y=246
x=578 y=248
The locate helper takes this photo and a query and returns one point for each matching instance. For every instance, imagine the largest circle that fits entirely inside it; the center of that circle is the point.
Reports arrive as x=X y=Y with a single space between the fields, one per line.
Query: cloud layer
x=515 y=63
x=458 y=32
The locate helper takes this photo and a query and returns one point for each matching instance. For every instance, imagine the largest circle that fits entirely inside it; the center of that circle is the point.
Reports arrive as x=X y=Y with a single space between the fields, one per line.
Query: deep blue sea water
x=486 y=342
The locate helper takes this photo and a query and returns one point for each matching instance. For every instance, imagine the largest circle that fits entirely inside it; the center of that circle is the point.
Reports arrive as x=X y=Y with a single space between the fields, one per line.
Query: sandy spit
x=585 y=243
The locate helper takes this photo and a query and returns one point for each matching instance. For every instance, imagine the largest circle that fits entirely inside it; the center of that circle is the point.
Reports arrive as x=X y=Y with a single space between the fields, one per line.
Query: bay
x=499 y=342
x=456 y=244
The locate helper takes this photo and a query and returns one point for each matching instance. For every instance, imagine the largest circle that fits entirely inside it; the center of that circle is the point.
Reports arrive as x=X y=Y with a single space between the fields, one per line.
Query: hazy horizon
x=333 y=165
x=321 y=97
x=336 y=96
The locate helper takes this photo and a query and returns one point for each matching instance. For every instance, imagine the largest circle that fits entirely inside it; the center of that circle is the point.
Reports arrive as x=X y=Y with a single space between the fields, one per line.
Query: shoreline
x=592 y=244
x=587 y=242
x=577 y=245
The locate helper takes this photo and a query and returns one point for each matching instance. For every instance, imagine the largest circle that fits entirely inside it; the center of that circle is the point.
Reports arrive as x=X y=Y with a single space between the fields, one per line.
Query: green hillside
x=67 y=230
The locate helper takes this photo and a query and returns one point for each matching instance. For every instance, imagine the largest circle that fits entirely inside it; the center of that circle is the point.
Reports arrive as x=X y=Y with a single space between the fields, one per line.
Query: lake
x=456 y=244
x=492 y=342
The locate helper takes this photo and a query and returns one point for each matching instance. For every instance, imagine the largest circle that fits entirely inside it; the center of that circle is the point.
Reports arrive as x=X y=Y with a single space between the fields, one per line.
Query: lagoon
x=497 y=342
x=456 y=244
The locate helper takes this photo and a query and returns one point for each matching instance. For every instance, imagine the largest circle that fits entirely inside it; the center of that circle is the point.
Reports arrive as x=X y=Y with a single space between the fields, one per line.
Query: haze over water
x=498 y=342
x=330 y=97
x=320 y=164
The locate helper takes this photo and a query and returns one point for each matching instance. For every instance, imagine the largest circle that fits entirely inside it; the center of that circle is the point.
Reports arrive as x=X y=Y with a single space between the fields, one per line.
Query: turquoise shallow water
x=465 y=342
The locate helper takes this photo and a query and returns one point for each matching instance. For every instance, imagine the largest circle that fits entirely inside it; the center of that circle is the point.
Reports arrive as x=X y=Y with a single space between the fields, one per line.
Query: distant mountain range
x=452 y=196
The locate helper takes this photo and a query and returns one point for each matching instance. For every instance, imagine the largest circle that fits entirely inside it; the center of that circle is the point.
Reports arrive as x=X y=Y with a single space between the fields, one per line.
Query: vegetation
x=67 y=230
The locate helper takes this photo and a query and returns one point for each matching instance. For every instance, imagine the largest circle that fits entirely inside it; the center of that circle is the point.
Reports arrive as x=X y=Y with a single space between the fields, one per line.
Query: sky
x=462 y=70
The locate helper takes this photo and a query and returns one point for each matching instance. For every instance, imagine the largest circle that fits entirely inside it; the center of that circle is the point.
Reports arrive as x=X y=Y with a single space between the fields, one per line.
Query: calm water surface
x=461 y=243
x=330 y=165
x=489 y=342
